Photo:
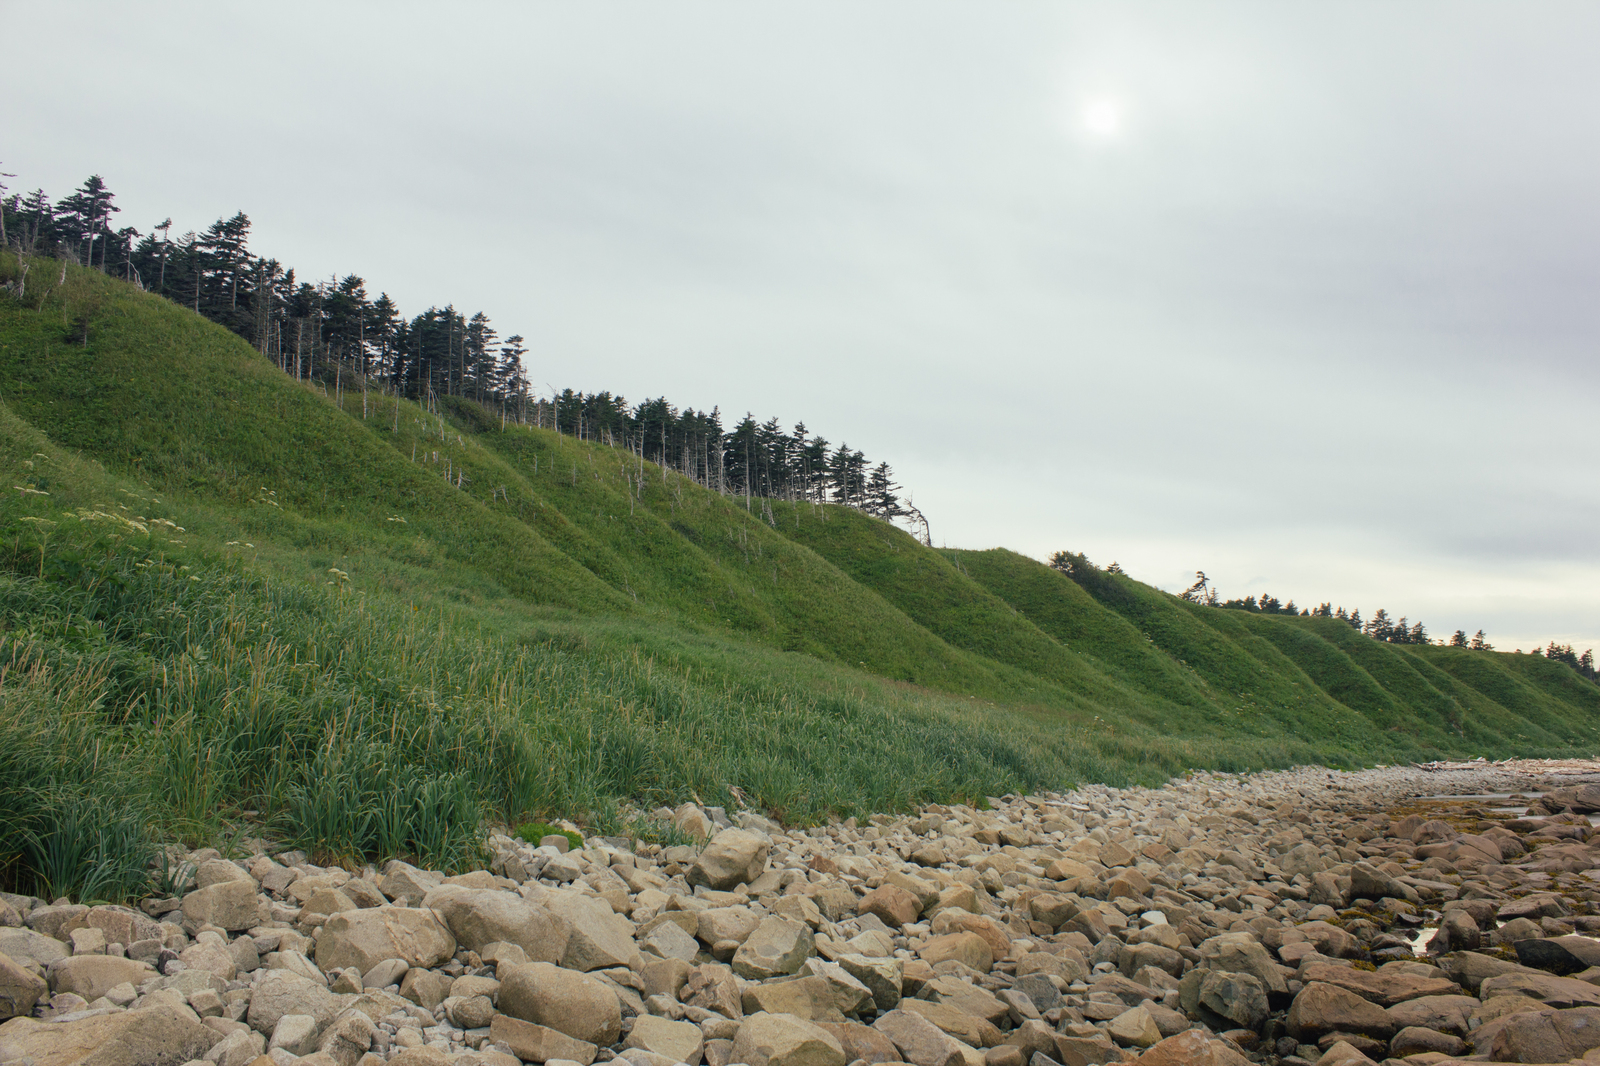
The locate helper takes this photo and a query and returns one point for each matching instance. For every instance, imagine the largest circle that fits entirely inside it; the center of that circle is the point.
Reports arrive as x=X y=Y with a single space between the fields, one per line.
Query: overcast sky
x=1300 y=295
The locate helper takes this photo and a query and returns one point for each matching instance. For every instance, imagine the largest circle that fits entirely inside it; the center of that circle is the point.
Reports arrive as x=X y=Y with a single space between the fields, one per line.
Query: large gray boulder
x=780 y=1040
x=776 y=948
x=921 y=1043
x=364 y=938
x=153 y=1036
x=734 y=857
x=597 y=936
x=230 y=905
x=92 y=976
x=478 y=917
x=27 y=944
x=583 y=1007
x=280 y=992
x=20 y=989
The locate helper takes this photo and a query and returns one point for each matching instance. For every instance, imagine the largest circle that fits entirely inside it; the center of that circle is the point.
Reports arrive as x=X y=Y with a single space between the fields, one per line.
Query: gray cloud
x=1319 y=319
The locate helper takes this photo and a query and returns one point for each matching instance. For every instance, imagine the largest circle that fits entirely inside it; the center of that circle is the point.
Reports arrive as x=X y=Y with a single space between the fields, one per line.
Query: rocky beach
x=1428 y=915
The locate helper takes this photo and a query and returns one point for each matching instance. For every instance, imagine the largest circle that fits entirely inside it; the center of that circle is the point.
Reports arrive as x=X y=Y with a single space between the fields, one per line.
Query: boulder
x=92 y=976
x=364 y=938
x=280 y=992
x=890 y=904
x=861 y=1042
x=1324 y=1008
x=1192 y=1048
x=1134 y=1027
x=810 y=998
x=962 y=1025
x=576 y=1004
x=407 y=885
x=996 y=935
x=230 y=905
x=969 y=949
x=716 y=924
x=1369 y=882
x=777 y=947
x=425 y=988
x=347 y=1038
x=1416 y=1040
x=20 y=989
x=733 y=857
x=921 y=1043
x=1237 y=997
x=531 y=1042
x=1559 y=954
x=241 y=1047
x=1558 y=992
x=480 y=917
x=713 y=987
x=159 y=1035
x=597 y=936
x=776 y=1040
x=1385 y=987
x=1547 y=1036
x=678 y=1041
x=27 y=944
x=669 y=941
x=1445 y=1014
x=295 y=1034
x=1242 y=953
x=123 y=925
x=883 y=977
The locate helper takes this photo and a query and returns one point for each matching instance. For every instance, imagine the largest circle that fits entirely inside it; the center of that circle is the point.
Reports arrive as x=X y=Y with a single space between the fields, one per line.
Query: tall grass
x=264 y=615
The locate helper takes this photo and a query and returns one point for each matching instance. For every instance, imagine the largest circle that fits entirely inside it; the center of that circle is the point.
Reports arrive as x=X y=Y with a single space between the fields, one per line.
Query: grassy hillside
x=231 y=601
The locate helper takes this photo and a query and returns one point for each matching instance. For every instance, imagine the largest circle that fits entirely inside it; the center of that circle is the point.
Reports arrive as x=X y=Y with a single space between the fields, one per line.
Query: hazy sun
x=1103 y=118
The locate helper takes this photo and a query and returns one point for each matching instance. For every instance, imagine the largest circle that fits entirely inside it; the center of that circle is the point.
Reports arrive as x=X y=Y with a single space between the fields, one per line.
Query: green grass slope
x=1309 y=677
x=231 y=601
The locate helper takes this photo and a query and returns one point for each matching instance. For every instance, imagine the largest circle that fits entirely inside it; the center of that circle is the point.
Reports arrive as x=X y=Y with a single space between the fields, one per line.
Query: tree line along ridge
x=333 y=331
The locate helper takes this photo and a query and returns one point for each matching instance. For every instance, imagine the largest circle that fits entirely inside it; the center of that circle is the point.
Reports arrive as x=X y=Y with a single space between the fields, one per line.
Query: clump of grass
x=533 y=832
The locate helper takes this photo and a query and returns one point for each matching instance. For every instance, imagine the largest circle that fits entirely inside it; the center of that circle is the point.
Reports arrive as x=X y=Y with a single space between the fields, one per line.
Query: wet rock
x=1560 y=955
x=1560 y=992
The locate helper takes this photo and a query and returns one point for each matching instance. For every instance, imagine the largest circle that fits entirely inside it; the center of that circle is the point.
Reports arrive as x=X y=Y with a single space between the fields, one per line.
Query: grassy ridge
x=231 y=601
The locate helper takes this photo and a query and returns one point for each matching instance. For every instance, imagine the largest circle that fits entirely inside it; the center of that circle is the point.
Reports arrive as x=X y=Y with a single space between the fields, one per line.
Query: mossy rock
x=533 y=832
